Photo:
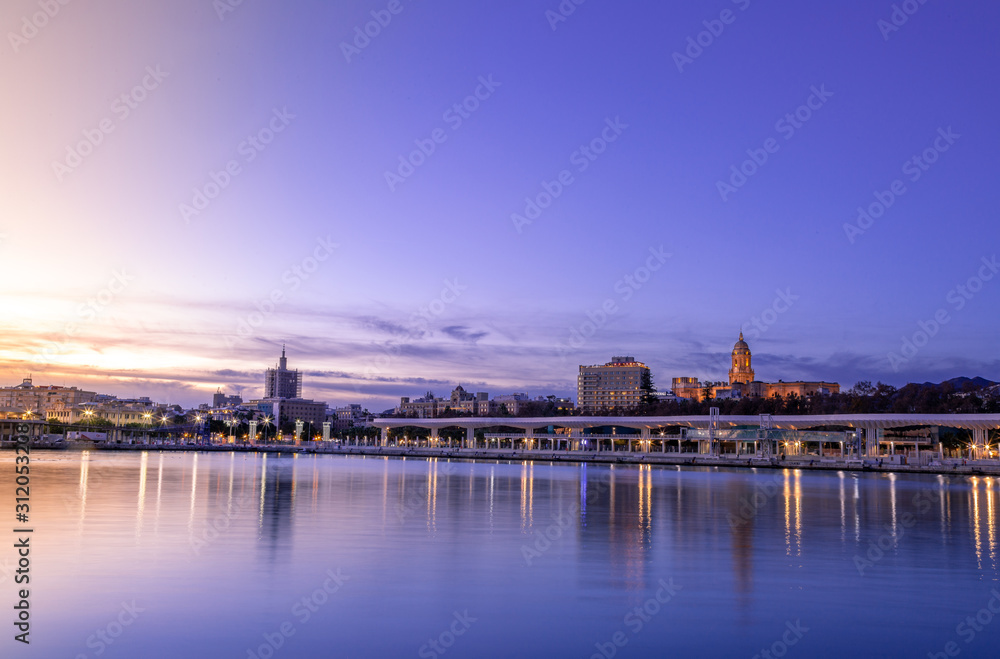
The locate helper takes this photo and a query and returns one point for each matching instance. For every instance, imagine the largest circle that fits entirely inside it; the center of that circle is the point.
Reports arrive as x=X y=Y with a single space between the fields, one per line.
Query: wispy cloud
x=463 y=333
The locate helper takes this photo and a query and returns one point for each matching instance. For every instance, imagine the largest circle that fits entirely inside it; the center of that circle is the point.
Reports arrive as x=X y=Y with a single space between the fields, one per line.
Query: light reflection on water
x=232 y=541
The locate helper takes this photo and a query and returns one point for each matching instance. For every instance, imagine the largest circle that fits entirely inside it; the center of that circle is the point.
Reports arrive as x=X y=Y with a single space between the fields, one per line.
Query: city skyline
x=542 y=187
x=293 y=388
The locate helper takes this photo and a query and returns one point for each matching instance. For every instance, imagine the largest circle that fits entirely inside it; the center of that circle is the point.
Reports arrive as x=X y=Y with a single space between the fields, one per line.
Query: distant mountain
x=959 y=383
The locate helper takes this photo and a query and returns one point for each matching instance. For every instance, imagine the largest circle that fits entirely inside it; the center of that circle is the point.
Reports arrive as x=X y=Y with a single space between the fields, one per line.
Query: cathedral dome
x=741 y=346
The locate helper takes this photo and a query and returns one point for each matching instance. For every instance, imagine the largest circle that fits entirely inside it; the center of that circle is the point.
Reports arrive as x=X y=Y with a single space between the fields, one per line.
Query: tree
x=647 y=390
x=862 y=388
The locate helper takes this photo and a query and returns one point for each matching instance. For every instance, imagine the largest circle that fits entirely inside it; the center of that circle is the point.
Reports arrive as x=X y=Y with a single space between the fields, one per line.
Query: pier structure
x=844 y=435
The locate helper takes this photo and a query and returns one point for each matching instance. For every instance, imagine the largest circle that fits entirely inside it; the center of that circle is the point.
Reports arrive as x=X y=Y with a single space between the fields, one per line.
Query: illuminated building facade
x=617 y=384
x=742 y=383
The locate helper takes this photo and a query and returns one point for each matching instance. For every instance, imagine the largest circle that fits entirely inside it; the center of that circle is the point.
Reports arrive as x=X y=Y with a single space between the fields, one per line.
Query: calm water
x=372 y=557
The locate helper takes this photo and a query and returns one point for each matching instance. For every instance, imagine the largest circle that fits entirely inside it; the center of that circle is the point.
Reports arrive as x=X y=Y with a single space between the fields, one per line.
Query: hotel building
x=607 y=386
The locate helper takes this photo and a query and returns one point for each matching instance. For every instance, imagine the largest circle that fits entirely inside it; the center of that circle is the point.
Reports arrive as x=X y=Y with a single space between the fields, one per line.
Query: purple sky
x=393 y=279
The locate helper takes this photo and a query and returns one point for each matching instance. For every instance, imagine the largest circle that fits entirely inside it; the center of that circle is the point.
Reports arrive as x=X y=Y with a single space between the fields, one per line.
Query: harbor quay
x=824 y=442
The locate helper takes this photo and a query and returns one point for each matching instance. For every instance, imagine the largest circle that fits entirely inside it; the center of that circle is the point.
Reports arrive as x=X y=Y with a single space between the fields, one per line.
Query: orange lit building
x=743 y=385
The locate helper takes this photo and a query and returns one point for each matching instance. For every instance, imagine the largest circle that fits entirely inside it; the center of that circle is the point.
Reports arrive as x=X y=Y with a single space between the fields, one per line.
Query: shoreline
x=811 y=463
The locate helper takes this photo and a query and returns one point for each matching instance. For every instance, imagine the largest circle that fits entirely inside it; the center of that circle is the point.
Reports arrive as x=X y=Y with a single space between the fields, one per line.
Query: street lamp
x=267 y=422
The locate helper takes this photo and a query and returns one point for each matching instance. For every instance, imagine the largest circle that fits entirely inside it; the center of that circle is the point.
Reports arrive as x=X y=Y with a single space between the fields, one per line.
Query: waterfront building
x=742 y=382
x=617 y=384
x=516 y=403
x=465 y=403
x=424 y=407
x=283 y=402
x=27 y=397
x=348 y=417
x=460 y=402
x=280 y=382
x=289 y=410
x=120 y=412
x=220 y=399
x=512 y=403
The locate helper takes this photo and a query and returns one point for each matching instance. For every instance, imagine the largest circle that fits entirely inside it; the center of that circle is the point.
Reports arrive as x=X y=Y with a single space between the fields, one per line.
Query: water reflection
x=432 y=494
x=744 y=506
x=277 y=503
x=843 y=506
x=991 y=521
x=142 y=493
x=527 y=496
x=793 y=512
x=194 y=492
x=159 y=494
x=741 y=542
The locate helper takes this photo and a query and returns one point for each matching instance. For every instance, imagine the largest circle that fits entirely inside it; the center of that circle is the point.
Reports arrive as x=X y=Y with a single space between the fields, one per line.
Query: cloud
x=463 y=333
x=387 y=327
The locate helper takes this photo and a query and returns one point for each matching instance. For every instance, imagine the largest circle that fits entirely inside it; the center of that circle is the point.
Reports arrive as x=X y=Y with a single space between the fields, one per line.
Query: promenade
x=950 y=466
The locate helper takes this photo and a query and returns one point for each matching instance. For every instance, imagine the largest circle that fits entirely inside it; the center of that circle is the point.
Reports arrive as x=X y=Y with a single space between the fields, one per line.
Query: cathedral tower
x=741 y=370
